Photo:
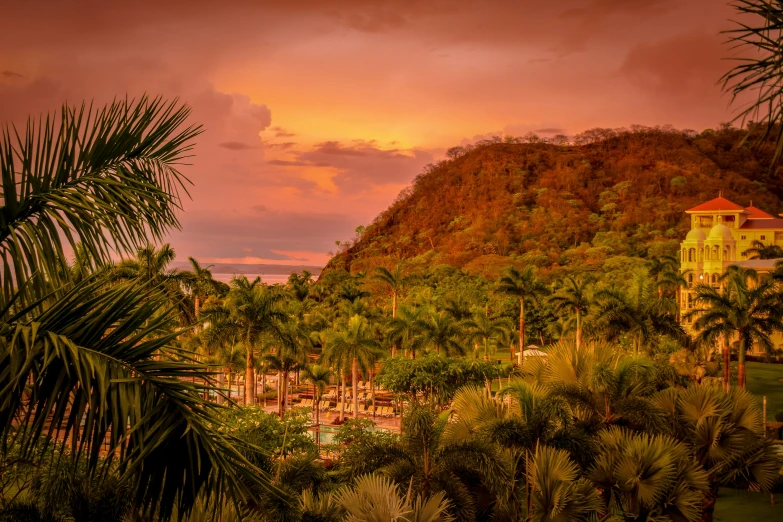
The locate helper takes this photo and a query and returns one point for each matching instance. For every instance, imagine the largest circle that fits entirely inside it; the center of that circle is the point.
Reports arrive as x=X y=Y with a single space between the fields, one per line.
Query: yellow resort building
x=720 y=231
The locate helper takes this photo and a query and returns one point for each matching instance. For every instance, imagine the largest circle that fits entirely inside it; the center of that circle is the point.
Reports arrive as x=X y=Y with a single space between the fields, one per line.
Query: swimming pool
x=326 y=432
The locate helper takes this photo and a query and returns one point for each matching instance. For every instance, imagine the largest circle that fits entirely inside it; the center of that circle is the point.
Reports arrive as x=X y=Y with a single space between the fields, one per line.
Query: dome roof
x=696 y=234
x=721 y=232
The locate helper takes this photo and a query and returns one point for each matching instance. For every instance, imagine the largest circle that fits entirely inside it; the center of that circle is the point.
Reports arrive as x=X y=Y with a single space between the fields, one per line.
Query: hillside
x=608 y=193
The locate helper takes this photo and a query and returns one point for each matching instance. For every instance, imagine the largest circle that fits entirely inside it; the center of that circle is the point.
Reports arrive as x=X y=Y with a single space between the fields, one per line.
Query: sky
x=318 y=113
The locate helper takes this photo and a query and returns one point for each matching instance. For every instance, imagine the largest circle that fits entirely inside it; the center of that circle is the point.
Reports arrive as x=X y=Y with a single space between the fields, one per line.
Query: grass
x=740 y=505
x=764 y=380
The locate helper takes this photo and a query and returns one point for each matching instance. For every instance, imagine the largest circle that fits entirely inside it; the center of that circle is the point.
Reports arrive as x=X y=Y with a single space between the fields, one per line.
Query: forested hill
x=605 y=194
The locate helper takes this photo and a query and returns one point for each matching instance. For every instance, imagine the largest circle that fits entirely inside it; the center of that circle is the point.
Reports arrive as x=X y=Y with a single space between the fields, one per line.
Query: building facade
x=720 y=231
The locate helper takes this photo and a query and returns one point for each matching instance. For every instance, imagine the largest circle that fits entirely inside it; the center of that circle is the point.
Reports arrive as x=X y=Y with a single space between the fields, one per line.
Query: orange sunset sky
x=317 y=113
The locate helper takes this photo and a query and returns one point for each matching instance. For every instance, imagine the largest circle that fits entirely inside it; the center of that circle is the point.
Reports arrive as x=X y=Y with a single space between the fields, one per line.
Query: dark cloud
x=683 y=67
x=10 y=74
x=281 y=146
x=364 y=164
x=550 y=130
x=236 y=145
x=270 y=237
x=296 y=163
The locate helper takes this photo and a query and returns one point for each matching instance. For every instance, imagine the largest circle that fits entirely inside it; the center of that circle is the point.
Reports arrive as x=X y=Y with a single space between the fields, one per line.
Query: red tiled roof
x=762 y=224
x=757 y=213
x=716 y=205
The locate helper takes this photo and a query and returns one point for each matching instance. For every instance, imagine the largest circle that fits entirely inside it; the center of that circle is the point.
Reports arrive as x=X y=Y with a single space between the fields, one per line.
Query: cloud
x=685 y=67
x=270 y=237
x=364 y=164
x=10 y=74
x=236 y=145
x=287 y=163
x=550 y=130
x=282 y=133
x=282 y=146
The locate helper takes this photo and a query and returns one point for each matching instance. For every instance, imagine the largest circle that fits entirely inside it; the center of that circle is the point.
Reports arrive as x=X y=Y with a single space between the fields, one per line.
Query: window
x=742 y=238
x=762 y=237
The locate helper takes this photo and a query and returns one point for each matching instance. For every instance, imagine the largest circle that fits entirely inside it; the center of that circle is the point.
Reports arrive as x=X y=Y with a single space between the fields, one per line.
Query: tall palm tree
x=574 y=297
x=288 y=353
x=759 y=250
x=525 y=286
x=487 y=329
x=150 y=268
x=356 y=341
x=441 y=331
x=746 y=306
x=318 y=376
x=300 y=284
x=395 y=282
x=252 y=312
x=635 y=312
x=82 y=349
x=201 y=284
x=403 y=331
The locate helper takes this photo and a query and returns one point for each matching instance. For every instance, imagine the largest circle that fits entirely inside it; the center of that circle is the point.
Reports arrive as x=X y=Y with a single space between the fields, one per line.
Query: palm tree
x=300 y=284
x=318 y=376
x=525 y=286
x=441 y=331
x=745 y=306
x=403 y=331
x=574 y=296
x=251 y=312
x=758 y=71
x=150 y=268
x=487 y=329
x=429 y=462
x=606 y=386
x=356 y=341
x=666 y=275
x=558 y=493
x=107 y=178
x=288 y=353
x=725 y=437
x=636 y=313
x=759 y=250
x=201 y=283
x=395 y=282
x=376 y=498
x=647 y=477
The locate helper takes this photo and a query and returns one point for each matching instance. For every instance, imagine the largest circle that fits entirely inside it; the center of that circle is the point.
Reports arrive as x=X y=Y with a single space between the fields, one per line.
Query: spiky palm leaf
x=76 y=350
x=106 y=178
x=104 y=359
x=559 y=495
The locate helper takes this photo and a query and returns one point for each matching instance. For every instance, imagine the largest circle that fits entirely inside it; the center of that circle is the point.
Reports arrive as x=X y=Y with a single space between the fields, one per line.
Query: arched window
x=690 y=282
x=714 y=278
x=691 y=253
x=690 y=301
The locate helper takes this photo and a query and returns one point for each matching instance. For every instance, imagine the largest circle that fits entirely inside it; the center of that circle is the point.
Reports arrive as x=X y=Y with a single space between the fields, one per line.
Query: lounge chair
x=362 y=409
